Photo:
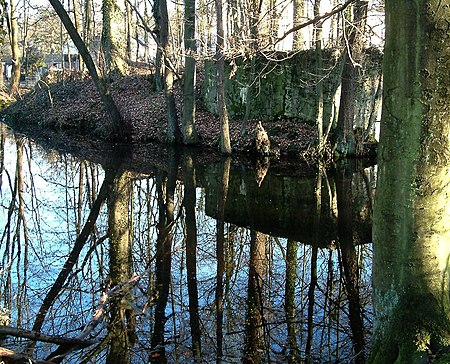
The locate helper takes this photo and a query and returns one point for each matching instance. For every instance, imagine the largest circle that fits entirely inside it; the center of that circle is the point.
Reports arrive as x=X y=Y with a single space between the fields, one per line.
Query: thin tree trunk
x=15 y=52
x=188 y=125
x=225 y=143
x=344 y=143
x=173 y=129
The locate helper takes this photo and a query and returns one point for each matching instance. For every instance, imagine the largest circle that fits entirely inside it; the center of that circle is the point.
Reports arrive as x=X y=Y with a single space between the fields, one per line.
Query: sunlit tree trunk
x=253 y=21
x=225 y=143
x=188 y=125
x=412 y=207
x=343 y=138
x=298 y=14
x=15 y=52
x=173 y=129
x=113 y=39
x=122 y=322
x=319 y=73
x=254 y=321
x=190 y=199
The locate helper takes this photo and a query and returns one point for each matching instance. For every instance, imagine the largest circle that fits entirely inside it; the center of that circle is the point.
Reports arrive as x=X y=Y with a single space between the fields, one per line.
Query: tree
x=225 y=144
x=173 y=130
x=188 y=124
x=13 y=33
x=113 y=40
x=120 y=128
x=343 y=137
x=412 y=218
x=298 y=14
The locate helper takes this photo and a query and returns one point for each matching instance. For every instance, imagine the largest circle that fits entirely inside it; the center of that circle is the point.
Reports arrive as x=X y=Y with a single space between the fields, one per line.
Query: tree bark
x=225 y=143
x=120 y=130
x=173 y=129
x=411 y=227
x=188 y=126
x=15 y=52
x=344 y=144
x=113 y=42
x=298 y=15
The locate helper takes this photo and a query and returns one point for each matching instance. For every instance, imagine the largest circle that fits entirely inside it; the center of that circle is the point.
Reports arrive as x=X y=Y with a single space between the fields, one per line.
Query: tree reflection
x=122 y=323
x=349 y=259
x=220 y=250
x=191 y=252
x=254 y=320
x=246 y=295
x=165 y=184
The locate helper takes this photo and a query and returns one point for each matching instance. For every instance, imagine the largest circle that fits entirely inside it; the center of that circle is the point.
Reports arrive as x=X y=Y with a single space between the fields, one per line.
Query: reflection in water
x=231 y=269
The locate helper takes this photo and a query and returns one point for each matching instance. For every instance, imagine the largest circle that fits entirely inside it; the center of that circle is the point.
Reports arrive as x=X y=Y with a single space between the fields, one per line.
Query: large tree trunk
x=411 y=229
x=344 y=138
x=225 y=143
x=113 y=39
x=188 y=128
x=120 y=129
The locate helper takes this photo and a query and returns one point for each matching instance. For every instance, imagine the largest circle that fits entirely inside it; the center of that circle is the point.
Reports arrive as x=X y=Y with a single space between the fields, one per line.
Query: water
x=231 y=261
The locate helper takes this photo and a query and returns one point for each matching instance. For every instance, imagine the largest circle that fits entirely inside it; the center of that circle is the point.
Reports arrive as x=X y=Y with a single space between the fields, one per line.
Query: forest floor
x=74 y=106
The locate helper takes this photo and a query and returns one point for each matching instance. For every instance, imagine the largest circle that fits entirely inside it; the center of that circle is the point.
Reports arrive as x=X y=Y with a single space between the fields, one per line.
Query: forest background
x=172 y=41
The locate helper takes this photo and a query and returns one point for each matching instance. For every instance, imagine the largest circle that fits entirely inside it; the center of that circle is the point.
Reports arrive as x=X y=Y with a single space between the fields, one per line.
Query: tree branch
x=316 y=19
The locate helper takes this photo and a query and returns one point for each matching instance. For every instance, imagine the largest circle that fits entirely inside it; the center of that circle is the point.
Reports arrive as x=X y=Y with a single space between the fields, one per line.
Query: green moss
x=285 y=86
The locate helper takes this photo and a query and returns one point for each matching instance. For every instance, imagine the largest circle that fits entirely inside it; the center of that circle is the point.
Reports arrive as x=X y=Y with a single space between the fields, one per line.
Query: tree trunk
x=113 y=40
x=344 y=138
x=412 y=217
x=121 y=130
x=188 y=128
x=298 y=18
x=15 y=52
x=225 y=143
x=173 y=129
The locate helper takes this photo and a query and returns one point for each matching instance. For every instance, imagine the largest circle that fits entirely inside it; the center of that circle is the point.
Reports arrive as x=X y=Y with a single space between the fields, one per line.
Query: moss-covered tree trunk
x=412 y=210
x=113 y=38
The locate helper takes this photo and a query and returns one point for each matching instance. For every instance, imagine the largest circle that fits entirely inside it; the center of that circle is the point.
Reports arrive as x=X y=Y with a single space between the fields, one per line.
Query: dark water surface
x=188 y=259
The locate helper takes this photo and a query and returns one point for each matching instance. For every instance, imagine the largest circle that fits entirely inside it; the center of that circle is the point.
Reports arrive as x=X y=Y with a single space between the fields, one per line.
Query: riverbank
x=74 y=106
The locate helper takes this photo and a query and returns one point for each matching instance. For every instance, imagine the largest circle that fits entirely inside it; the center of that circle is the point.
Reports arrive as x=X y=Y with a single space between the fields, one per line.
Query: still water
x=152 y=255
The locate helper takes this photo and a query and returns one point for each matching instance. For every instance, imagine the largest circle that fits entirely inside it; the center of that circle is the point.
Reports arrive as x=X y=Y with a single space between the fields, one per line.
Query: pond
x=153 y=255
